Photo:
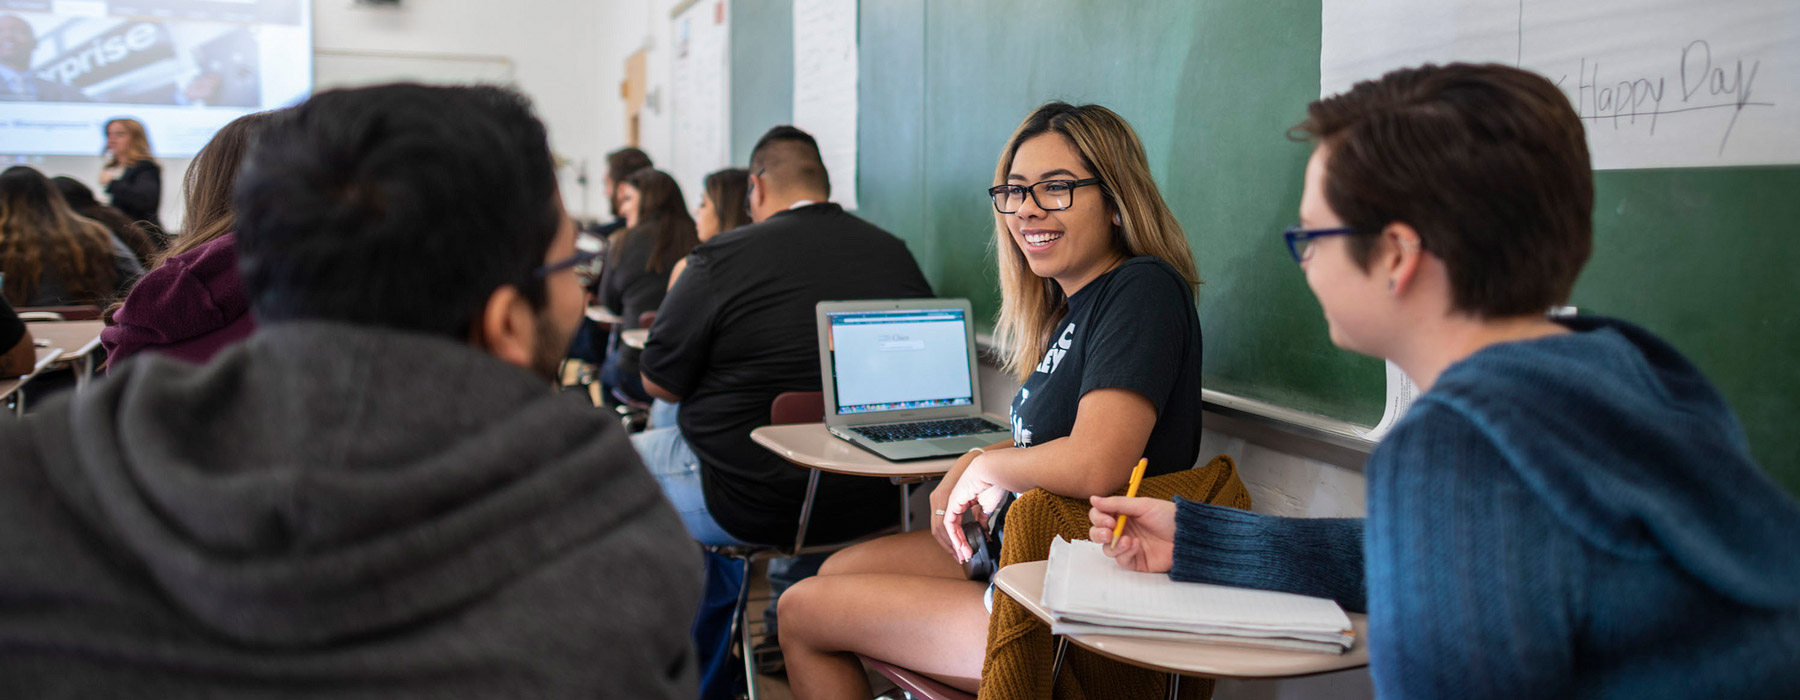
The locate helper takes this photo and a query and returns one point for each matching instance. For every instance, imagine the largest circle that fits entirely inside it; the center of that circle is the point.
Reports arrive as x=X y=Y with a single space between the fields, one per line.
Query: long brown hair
x=729 y=191
x=39 y=234
x=662 y=215
x=1031 y=306
x=139 y=147
x=210 y=181
x=144 y=244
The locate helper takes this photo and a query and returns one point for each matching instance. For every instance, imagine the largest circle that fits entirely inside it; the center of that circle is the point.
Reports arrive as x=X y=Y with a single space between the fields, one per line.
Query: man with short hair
x=377 y=494
x=738 y=328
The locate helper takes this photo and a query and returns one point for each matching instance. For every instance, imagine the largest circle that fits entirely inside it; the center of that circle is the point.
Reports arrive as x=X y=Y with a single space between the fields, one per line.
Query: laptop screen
x=898 y=360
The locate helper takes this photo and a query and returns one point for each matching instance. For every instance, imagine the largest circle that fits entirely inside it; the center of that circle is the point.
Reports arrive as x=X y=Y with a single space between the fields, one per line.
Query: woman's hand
x=107 y=175
x=973 y=488
x=1148 y=542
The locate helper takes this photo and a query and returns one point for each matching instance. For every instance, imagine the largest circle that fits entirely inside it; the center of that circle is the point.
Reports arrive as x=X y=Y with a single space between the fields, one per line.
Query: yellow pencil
x=1137 y=477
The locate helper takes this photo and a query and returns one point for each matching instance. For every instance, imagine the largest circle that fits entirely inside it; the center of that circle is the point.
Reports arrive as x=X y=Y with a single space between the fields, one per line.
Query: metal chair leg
x=741 y=623
x=1174 y=686
x=1062 y=648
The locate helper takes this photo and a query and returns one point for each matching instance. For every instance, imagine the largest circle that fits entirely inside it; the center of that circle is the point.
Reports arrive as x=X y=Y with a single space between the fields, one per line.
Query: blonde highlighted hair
x=138 y=149
x=1031 y=306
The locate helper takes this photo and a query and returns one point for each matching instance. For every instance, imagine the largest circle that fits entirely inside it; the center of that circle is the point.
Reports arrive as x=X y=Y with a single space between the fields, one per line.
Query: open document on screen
x=900 y=360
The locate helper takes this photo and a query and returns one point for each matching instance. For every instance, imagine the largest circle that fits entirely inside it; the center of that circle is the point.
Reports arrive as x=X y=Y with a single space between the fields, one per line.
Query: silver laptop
x=900 y=377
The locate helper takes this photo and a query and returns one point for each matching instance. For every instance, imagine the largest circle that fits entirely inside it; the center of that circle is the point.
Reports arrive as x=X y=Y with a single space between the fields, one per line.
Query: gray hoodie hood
x=325 y=485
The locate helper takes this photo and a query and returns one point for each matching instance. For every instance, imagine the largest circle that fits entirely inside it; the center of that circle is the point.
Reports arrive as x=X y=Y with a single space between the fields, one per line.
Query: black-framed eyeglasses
x=1050 y=195
x=1299 y=240
x=585 y=263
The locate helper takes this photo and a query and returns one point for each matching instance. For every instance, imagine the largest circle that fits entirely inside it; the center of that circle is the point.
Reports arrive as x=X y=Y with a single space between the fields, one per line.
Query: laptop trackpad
x=963 y=444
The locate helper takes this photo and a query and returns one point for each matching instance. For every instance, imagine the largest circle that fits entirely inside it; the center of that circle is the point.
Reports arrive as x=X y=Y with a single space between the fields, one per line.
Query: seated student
x=142 y=242
x=51 y=255
x=192 y=303
x=724 y=206
x=1097 y=306
x=591 y=341
x=1569 y=509
x=638 y=263
x=17 y=353
x=737 y=331
x=377 y=494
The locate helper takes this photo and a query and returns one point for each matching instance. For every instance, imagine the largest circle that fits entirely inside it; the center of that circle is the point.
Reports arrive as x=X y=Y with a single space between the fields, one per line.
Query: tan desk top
x=812 y=445
x=635 y=337
x=45 y=358
x=1024 y=582
x=76 y=338
x=601 y=314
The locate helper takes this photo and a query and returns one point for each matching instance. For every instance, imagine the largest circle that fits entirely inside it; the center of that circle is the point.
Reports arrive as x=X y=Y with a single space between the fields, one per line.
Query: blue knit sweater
x=1571 y=516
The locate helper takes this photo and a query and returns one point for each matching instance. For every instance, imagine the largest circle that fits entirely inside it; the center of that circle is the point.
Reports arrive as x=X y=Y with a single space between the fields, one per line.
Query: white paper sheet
x=1659 y=83
x=700 y=92
x=825 y=102
x=1400 y=394
x=1083 y=585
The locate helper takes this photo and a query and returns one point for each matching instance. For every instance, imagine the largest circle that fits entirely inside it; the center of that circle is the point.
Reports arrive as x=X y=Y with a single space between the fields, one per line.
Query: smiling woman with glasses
x=1098 y=322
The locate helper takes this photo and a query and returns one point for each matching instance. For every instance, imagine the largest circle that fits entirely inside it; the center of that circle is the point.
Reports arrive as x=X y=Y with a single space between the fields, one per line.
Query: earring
x=1390 y=285
x=1116 y=221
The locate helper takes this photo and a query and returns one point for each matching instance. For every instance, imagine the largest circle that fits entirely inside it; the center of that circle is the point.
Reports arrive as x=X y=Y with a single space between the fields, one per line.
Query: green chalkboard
x=1707 y=258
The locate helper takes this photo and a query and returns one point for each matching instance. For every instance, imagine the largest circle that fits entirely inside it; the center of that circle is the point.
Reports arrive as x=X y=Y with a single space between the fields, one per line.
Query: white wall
x=554 y=46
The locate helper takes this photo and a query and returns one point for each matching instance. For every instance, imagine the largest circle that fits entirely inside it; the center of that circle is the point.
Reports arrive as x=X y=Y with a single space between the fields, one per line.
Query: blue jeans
x=666 y=454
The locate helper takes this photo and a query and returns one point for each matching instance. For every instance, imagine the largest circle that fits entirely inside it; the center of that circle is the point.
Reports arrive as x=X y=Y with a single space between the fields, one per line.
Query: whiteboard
x=1658 y=83
x=700 y=96
x=338 y=68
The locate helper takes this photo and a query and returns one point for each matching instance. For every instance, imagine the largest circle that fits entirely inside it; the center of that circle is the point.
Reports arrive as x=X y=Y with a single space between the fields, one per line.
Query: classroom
x=789 y=244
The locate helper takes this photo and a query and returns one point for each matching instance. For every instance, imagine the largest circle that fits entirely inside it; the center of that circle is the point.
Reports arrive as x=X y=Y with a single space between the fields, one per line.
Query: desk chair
x=787 y=408
x=634 y=414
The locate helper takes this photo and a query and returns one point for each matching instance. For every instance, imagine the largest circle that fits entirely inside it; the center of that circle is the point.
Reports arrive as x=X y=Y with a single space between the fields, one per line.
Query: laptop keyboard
x=924 y=430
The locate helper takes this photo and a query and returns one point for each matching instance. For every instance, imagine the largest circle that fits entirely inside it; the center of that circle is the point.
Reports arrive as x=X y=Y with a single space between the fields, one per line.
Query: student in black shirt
x=738 y=329
x=638 y=265
x=1097 y=315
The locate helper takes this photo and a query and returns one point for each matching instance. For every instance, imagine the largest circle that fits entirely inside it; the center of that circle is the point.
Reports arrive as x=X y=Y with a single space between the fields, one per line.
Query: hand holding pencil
x=1138 y=532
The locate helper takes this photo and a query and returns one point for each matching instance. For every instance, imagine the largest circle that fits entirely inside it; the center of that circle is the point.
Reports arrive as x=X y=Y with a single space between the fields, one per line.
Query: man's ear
x=507 y=328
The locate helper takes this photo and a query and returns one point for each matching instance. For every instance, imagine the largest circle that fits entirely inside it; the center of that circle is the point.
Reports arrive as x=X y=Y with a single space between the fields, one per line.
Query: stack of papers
x=1089 y=593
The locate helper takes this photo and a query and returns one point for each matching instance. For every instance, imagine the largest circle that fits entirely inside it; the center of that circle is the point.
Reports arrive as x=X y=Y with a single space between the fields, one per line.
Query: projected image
x=182 y=67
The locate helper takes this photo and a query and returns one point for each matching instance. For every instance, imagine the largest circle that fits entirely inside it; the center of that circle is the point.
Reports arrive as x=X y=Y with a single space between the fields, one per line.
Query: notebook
x=899 y=377
x=1089 y=592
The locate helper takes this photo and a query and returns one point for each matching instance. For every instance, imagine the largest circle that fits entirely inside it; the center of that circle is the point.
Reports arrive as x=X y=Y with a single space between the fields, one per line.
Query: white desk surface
x=45 y=358
x=635 y=337
x=601 y=314
x=812 y=445
x=1024 y=582
x=76 y=338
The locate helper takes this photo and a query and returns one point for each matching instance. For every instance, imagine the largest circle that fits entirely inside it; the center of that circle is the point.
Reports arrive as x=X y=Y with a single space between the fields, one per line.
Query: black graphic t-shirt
x=1134 y=328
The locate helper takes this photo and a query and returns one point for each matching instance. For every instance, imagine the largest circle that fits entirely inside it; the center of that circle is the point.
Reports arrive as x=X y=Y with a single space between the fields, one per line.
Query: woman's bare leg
x=933 y=625
x=914 y=553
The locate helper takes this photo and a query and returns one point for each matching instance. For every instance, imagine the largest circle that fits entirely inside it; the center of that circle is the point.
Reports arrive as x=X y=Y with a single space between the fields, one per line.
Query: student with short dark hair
x=378 y=494
x=734 y=333
x=1570 y=508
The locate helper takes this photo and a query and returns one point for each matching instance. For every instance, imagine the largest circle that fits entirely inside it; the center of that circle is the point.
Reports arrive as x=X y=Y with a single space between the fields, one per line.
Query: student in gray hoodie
x=377 y=495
